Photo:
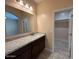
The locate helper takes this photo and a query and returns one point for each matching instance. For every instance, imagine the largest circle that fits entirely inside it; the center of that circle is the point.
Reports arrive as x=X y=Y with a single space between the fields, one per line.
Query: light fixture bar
x=26 y=4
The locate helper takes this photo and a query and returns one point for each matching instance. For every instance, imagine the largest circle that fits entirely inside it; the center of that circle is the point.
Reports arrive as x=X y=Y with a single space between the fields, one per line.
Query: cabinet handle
x=12 y=56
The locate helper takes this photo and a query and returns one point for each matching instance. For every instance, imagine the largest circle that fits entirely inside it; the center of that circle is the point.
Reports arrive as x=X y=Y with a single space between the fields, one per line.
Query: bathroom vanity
x=28 y=47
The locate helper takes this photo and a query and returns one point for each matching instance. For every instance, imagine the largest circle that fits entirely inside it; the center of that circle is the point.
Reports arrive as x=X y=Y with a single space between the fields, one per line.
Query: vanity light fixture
x=27 y=5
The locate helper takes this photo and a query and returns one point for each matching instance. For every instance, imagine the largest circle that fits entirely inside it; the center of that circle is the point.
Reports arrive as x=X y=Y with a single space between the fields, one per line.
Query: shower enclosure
x=62 y=32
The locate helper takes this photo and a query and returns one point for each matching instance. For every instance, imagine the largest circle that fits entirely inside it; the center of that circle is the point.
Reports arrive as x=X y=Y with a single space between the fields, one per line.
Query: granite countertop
x=19 y=42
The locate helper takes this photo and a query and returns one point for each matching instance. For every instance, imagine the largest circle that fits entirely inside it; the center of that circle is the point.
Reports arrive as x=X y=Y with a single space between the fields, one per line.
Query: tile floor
x=45 y=55
x=61 y=51
x=60 y=55
x=57 y=55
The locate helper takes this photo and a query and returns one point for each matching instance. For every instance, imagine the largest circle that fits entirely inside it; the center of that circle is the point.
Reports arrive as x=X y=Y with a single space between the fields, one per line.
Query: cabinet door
x=26 y=55
x=42 y=44
x=37 y=47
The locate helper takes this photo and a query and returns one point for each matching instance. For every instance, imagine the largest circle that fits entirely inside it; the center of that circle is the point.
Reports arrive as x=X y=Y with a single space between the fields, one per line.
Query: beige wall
x=45 y=17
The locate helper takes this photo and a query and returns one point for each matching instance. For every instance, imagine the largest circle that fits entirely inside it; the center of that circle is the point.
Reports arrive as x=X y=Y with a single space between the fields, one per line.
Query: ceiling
x=39 y=1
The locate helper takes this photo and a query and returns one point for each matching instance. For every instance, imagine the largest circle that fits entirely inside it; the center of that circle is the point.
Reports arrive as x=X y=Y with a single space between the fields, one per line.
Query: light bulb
x=27 y=6
x=21 y=2
x=31 y=8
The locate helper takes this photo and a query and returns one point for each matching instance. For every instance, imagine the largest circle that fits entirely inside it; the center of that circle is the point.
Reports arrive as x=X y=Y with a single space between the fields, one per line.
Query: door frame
x=53 y=24
x=71 y=34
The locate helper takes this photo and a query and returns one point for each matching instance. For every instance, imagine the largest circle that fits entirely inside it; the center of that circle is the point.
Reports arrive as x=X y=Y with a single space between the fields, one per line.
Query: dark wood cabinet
x=37 y=47
x=21 y=53
x=25 y=55
x=30 y=51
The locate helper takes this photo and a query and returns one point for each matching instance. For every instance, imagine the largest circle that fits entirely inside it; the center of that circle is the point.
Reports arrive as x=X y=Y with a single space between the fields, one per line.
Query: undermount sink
x=33 y=33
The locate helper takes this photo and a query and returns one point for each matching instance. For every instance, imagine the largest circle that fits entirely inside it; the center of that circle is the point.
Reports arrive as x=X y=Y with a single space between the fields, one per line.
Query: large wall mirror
x=16 y=22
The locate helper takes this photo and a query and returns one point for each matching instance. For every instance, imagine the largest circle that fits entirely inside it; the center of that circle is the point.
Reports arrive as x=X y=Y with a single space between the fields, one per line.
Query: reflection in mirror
x=26 y=25
x=12 y=26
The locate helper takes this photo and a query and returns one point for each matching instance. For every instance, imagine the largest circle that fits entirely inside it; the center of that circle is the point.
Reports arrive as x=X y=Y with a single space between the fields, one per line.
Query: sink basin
x=33 y=33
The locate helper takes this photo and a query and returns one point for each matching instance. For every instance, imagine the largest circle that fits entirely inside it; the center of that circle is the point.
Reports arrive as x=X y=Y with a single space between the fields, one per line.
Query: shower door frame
x=53 y=27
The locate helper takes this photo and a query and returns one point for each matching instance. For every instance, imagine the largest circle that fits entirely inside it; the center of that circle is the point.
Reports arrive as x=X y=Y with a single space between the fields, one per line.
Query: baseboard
x=49 y=50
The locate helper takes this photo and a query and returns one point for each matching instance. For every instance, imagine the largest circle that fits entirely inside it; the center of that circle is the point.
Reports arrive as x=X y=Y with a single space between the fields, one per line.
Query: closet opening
x=61 y=34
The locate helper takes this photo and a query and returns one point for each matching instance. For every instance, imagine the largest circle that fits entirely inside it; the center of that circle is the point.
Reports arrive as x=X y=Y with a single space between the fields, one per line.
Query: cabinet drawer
x=39 y=40
x=36 y=42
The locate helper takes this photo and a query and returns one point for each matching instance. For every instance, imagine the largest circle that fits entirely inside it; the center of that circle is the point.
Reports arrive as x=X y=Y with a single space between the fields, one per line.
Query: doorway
x=62 y=41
